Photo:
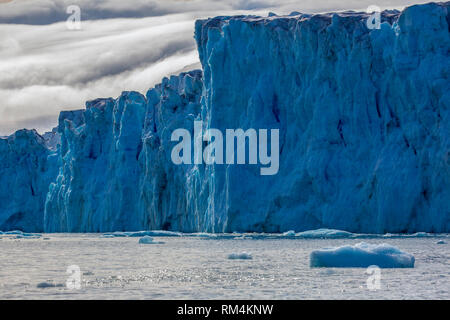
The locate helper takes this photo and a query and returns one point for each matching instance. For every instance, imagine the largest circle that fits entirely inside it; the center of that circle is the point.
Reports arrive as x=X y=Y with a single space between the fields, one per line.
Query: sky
x=46 y=66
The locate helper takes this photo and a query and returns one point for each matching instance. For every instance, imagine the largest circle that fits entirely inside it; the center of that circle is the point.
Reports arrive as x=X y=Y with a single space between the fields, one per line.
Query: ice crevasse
x=364 y=120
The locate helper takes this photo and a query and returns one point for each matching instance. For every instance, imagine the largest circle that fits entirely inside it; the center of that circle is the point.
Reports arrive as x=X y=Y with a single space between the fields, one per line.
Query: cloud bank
x=132 y=45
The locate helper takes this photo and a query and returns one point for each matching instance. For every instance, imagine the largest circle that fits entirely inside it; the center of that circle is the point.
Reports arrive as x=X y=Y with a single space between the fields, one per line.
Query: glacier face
x=363 y=114
x=364 y=120
x=27 y=166
x=115 y=171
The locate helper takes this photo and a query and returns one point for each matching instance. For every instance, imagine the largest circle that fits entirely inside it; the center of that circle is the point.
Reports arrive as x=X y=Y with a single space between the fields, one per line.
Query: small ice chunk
x=241 y=256
x=421 y=235
x=361 y=255
x=13 y=232
x=28 y=236
x=290 y=233
x=203 y=235
x=43 y=285
x=441 y=242
x=107 y=236
x=148 y=240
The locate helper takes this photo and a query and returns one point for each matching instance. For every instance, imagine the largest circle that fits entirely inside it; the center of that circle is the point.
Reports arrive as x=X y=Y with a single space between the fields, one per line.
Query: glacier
x=363 y=116
x=27 y=167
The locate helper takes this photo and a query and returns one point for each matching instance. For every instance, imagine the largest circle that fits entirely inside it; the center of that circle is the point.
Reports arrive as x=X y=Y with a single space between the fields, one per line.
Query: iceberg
x=363 y=117
x=361 y=255
x=149 y=240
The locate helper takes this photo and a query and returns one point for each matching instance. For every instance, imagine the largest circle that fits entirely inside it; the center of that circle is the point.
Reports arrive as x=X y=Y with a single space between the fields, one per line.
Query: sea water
x=197 y=267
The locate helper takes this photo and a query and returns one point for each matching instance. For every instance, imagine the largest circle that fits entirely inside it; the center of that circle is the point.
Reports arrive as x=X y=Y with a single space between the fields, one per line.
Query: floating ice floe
x=154 y=233
x=241 y=256
x=204 y=235
x=149 y=240
x=43 y=285
x=17 y=234
x=362 y=255
x=410 y=235
x=324 y=233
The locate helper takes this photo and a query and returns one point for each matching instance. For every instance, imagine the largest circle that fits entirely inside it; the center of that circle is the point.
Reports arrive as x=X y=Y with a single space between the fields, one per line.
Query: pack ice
x=364 y=120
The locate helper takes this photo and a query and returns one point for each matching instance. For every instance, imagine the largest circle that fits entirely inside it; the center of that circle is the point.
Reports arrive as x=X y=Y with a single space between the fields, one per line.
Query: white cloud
x=130 y=45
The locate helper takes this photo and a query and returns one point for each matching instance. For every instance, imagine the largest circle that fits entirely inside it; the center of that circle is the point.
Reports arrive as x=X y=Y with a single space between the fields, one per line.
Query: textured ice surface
x=115 y=170
x=27 y=167
x=362 y=255
x=364 y=121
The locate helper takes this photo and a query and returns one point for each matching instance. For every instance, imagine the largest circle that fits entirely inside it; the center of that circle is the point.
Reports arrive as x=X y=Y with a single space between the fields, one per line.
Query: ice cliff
x=27 y=166
x=115 y=170
x=364 y=119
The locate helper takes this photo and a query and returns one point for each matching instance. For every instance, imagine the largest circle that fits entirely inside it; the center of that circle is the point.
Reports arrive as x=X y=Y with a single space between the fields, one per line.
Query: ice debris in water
x=324 y=233
x=154 y=233
x=149 y=240
x=43 y=285
x=362 y=255
x=290 y=233
x=240 y=256
x=17 y=234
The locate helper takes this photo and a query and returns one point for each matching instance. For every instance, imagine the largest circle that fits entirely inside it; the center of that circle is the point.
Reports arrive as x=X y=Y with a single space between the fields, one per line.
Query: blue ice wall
x=115 y=170
x=27 y=166
x=364 y=120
